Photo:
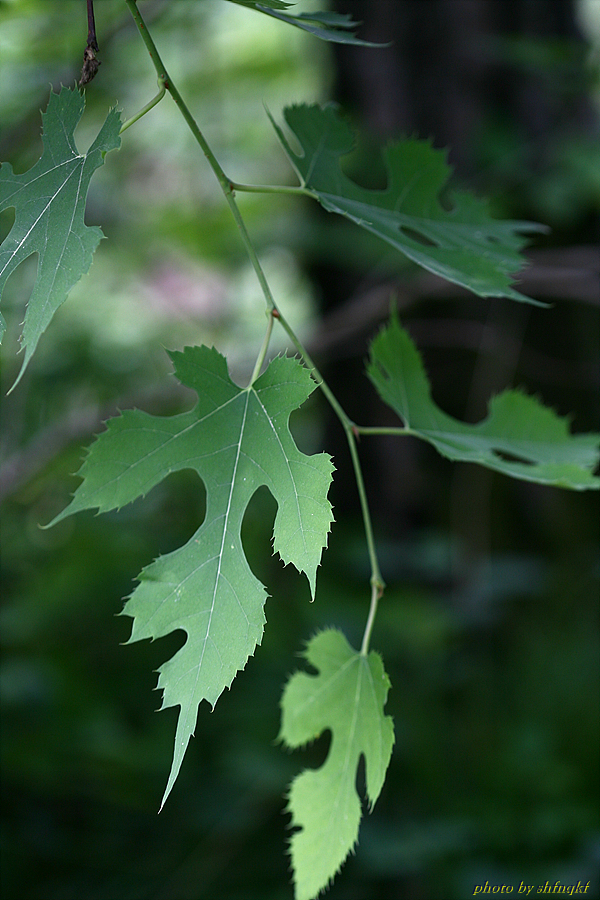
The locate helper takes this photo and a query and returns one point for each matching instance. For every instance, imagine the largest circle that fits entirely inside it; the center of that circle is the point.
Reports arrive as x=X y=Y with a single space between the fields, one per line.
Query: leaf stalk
x=161 y=93
x=263 y=350
x=272 y=189
x=395 y=430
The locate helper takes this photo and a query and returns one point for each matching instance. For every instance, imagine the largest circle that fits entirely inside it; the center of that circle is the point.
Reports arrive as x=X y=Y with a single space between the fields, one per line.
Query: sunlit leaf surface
x=237 y=440
x=347 y=697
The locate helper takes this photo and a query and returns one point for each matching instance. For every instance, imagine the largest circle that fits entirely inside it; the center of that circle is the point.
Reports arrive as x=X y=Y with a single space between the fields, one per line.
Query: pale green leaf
x=329 y=26
x=49 y=202
x=462 y=243
x=237 y=440
x=347 y=697
x=520 y=437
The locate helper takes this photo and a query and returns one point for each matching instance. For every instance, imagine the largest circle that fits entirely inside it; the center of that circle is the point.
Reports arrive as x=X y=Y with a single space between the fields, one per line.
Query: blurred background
x=489 y=625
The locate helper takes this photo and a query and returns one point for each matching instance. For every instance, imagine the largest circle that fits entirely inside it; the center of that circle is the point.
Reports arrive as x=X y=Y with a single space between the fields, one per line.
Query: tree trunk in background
x=447 y=69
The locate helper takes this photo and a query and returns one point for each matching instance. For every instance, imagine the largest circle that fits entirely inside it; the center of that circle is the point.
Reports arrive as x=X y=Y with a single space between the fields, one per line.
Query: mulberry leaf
x=236 y=440
x=520 y=437
x=49 y=202
x=347 y=697
x=461 y=243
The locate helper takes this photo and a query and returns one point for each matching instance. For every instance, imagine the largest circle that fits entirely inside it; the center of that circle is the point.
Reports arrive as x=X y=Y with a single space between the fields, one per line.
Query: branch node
x=90 y=66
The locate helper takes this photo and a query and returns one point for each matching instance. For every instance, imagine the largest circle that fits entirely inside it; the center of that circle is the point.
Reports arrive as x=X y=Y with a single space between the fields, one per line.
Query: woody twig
x=90 y=63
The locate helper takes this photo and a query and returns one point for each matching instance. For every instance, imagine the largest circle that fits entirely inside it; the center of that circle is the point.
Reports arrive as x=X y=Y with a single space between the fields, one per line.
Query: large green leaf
x=462 y=244
x=520 y=437
x=49 y=202
x=329 y=26
x=347 y=696
x=237 y=440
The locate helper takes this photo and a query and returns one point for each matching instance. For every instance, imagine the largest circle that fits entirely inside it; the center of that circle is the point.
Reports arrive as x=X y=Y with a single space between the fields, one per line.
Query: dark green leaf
x=264 y=5
x=329 y=26
x=520 y=437
x=463 y=244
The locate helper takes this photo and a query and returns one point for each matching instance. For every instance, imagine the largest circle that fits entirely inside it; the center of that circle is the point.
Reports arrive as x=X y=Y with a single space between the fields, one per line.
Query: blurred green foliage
x=493 y=656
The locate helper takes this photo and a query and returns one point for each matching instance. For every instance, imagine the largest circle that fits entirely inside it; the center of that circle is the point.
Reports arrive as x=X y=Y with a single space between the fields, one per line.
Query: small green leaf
x=329 y=26
x=520 y=437
x=462 y=244
x=237 y=440
x=49 y=202
x=347 y=696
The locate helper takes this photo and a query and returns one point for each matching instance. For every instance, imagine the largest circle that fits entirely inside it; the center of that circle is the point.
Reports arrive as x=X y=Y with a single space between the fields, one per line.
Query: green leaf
x=329 y=26
x=49 y=202
x=347 y=696
x=520 y=437
x=237 y=440
x=462 y=244
x=267 y=4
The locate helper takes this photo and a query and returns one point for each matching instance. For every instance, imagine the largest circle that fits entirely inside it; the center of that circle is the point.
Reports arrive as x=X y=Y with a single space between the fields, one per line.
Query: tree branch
x=90 y=63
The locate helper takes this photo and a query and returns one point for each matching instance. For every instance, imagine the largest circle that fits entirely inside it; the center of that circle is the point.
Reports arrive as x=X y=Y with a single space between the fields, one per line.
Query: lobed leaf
x=237 y=440
x=520 y=437
x=49 y=202
x=347 y=696
x=462 y=244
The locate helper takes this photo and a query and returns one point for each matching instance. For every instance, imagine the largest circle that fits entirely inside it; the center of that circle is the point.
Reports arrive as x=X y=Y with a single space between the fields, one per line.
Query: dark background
x=489 y=625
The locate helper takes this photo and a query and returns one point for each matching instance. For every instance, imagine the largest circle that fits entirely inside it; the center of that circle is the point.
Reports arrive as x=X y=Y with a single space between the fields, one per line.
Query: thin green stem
x=163 y=77
x=229 y=187
x=398 y=430
x=145 y=109
x=225 y=183
x=263 y=350
x=376 y=592
x=377 y=582
x=271 y=189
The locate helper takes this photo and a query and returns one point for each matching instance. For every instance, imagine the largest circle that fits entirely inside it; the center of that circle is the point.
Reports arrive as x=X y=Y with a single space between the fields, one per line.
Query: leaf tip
x=19 y=376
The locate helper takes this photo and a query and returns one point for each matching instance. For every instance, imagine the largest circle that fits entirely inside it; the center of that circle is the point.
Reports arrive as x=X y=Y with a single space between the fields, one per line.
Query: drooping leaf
x=329 y=26
x=49 y=202
x=347 y=696
x=520 y=437
x=237 y=440
x=462 y=244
